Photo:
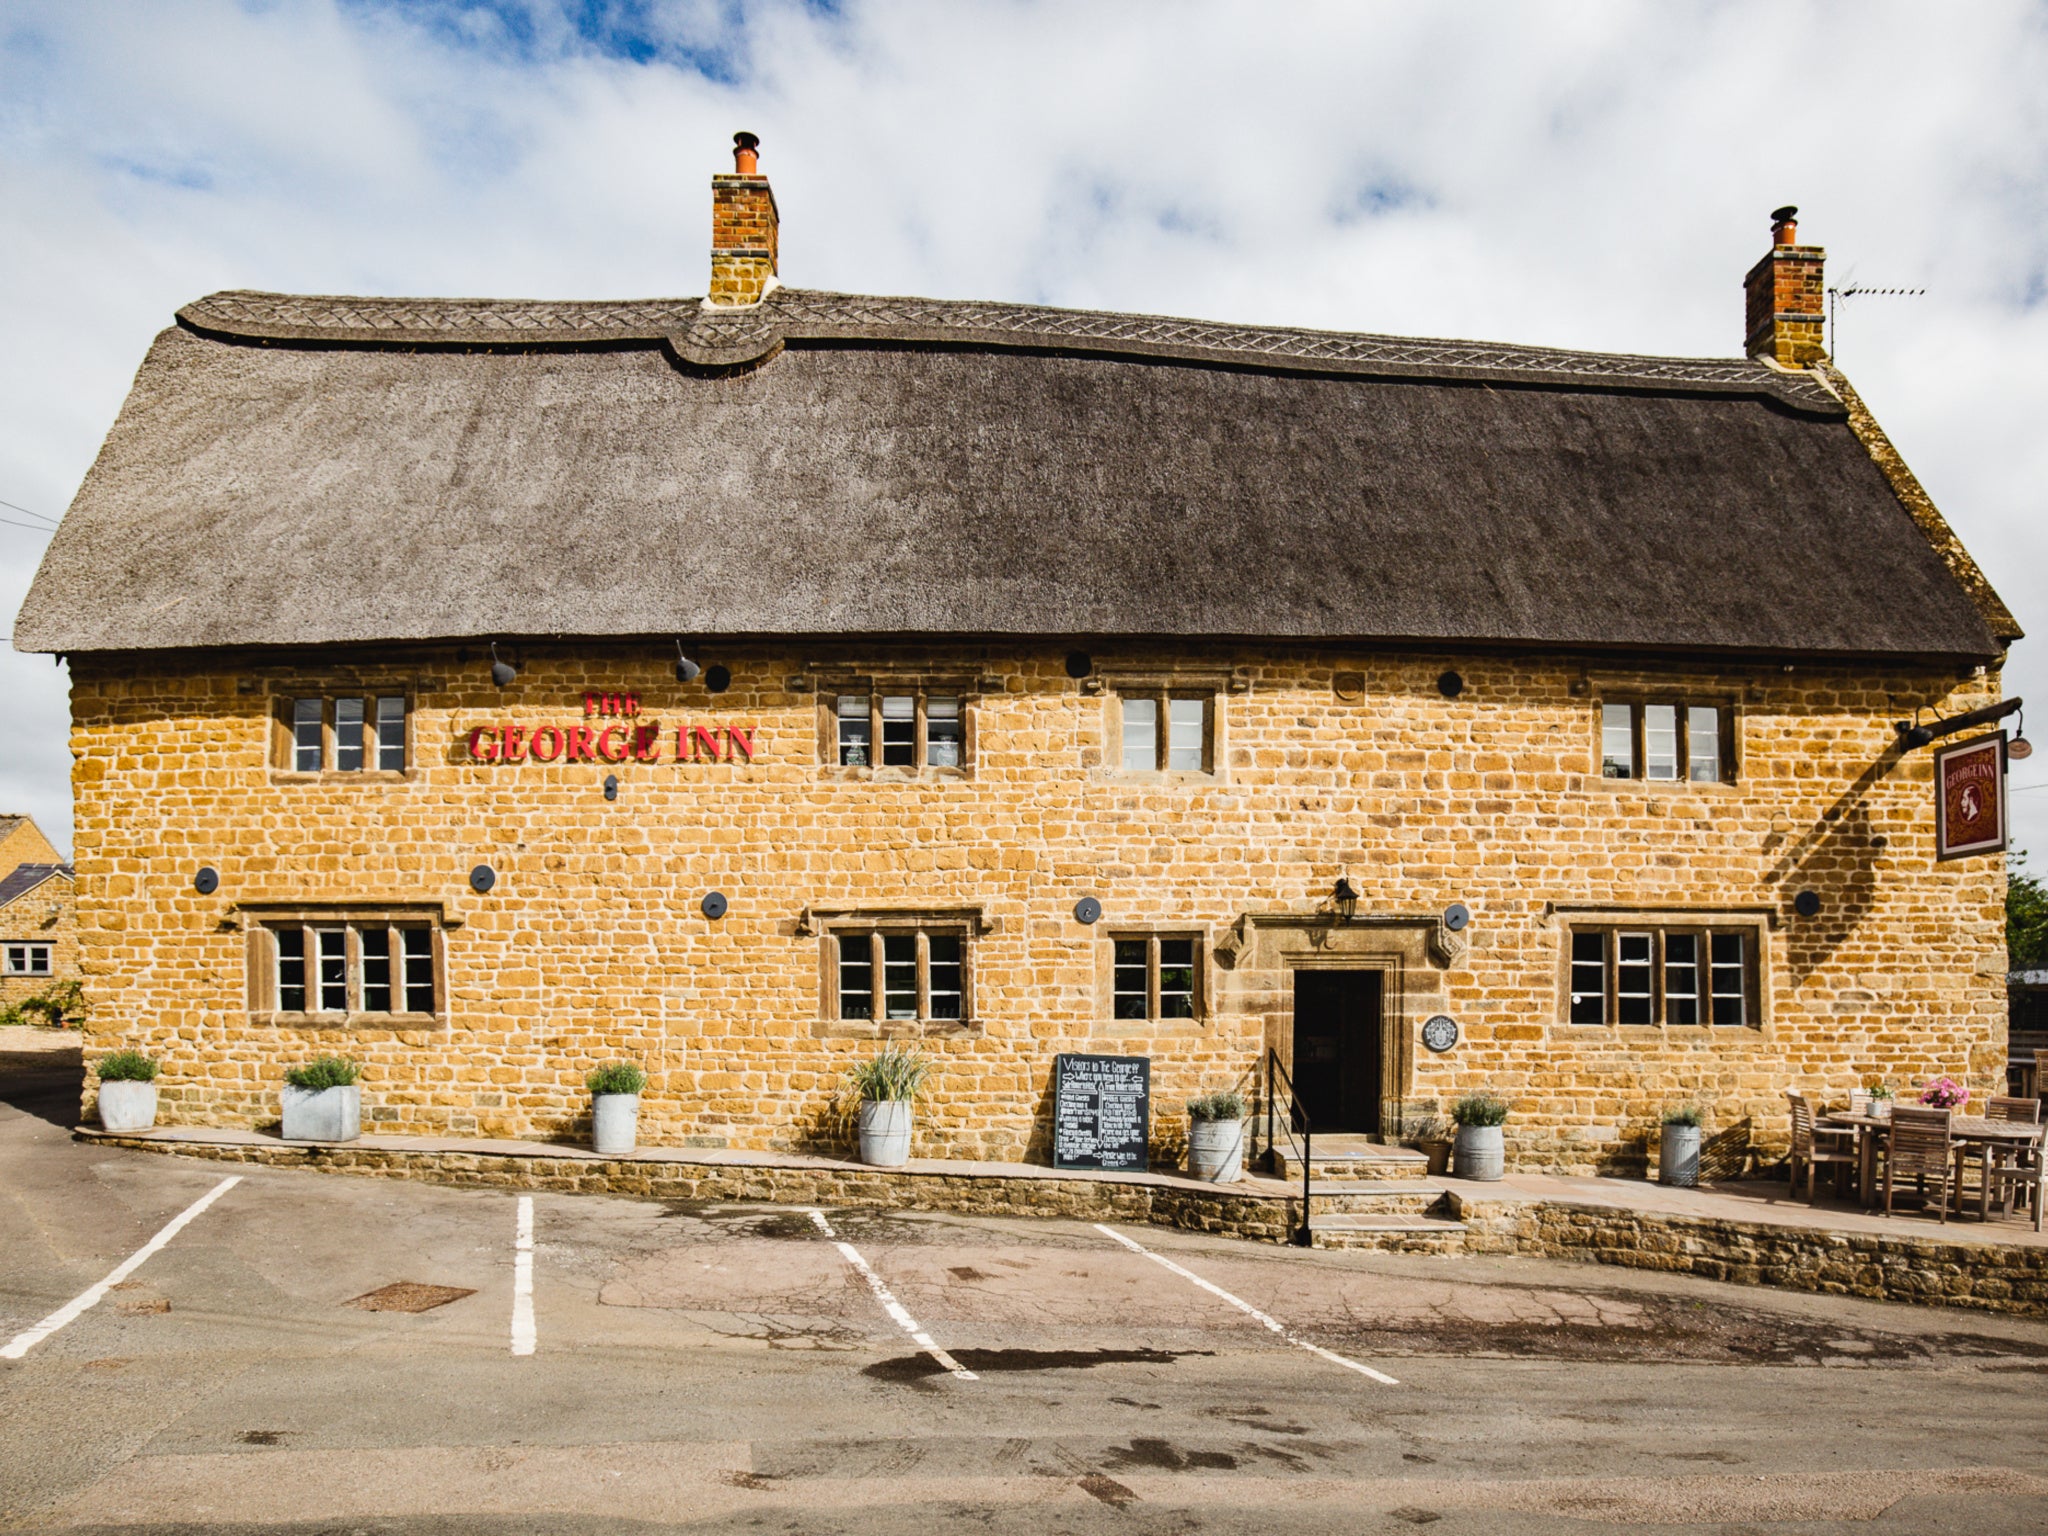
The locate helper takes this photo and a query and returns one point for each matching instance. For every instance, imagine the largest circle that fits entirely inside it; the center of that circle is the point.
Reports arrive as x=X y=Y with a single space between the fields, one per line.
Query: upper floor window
x=1667 y=740
x=358 y=968
x=1165 y=731
x=1155 y=976
x=348 y=734
x=1664 y=975
x=899 y=730
x=28 y=959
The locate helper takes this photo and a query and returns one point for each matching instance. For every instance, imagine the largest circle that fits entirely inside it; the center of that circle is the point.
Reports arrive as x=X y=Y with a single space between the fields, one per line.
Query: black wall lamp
x=686 y=669
x=1912 y=734
x=2019 y=749
x=611 y=786
x=502 y=672
x=1346 y=898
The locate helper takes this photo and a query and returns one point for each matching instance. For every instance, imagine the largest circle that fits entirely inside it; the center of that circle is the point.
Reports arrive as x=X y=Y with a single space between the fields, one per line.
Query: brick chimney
x=1787 y=299
x=743 y=229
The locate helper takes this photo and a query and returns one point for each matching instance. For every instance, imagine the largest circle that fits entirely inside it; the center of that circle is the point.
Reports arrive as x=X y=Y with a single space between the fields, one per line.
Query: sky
x=1580 y=174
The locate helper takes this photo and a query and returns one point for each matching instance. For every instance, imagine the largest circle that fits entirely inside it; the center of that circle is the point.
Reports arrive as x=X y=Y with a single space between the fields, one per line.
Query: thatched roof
x=294 y=471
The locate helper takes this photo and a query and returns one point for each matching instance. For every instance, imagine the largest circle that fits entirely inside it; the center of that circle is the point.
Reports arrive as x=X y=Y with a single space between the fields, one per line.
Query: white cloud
x=1582 y=174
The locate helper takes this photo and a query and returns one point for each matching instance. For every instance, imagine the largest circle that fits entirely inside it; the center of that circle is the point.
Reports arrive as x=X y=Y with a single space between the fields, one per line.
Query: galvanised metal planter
x=1678 y=1156
x=614 y=1123
x=1480 y=1153
x=1216 y=1150
x=127 y=1106
x=885 y=1132
x=323 y=1114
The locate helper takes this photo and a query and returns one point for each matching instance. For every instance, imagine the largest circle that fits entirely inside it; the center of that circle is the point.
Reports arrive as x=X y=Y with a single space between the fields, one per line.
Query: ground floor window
x=28 y=959
x=904 y=974
x=1155 y=976
x=1663 y=975
x=358 y=968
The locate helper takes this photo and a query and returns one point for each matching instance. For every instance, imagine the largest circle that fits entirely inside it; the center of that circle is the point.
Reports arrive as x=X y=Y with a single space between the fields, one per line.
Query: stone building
x=38 y=914
x=491 y=689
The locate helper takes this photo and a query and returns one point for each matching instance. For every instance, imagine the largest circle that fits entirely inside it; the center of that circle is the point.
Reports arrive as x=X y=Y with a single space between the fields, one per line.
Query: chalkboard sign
x=1102 y=1111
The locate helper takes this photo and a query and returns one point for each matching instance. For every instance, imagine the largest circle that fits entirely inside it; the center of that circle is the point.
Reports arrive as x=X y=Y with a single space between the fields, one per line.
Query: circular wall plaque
x=207 y=881
x=1087 y=909
x=713 y=905
x=1450 y=685
x=1440 y=1033
x=1806 y=903
x=1079 y=664
x=482 y=878
x=1456 y=916
x=717 y=679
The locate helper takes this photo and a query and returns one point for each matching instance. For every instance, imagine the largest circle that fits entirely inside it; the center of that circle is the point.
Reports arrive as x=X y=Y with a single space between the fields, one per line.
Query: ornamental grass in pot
x=127 y=1097
x=1216 y=1136
x=615 y=1107
x=323 y=1100
x=887 y=1085
x=1481 y=1148
x=1678 y=1149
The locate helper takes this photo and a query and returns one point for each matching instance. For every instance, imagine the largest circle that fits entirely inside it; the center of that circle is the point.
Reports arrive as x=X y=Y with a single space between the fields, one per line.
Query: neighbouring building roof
x=298 y=471
x=26 y=877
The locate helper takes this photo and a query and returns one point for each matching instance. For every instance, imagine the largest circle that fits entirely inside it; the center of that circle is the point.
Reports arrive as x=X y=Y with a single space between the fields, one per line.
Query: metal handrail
x=1276 y=1075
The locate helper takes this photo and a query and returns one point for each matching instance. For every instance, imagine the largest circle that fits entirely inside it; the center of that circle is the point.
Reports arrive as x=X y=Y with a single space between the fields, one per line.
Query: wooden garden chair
x=1814 y=1145
x=1921 y=1150
x=2014 y=1170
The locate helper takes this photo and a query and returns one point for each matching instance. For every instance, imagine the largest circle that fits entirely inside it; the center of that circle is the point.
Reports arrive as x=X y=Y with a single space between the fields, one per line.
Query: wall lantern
x=1346 y=898
x=611 y=786
x=502 y=672
x=686 y=669
x=2019 y=749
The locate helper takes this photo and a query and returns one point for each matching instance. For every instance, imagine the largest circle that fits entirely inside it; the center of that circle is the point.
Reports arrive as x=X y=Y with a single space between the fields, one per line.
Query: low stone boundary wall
x=1991 y=1277
x=1223 y=1211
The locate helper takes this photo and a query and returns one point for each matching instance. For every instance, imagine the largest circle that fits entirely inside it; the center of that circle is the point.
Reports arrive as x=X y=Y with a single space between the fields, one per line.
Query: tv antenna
x=1836 y=295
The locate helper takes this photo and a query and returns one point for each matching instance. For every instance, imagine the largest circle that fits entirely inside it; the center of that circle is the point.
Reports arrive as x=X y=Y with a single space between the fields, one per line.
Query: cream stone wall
x=591 y=945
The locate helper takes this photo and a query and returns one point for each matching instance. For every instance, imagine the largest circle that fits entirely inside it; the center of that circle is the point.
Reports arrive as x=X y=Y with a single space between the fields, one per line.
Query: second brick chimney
x=743 y=229
x=1787 y=299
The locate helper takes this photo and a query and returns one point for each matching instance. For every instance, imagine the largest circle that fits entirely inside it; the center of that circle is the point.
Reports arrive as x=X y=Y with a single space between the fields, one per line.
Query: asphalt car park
x=323 y=1353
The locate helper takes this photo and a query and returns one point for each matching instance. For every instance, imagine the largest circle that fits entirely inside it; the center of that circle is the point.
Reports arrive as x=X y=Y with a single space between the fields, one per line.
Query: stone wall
x=591 y=946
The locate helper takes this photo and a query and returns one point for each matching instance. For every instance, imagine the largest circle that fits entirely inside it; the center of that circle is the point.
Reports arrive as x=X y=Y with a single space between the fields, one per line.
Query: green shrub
x=126 y=1067
x=616 y=1077
x=1685 y=1114
x=1480 y=1109
x=898 y=1073
x=324 y=1072
x=57 y=1005
x=1221 y=1104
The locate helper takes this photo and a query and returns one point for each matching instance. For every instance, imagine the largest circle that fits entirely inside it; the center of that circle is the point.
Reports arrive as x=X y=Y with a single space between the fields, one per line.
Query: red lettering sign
x=481 y=750
x=513 y=740
x=616 y=741
x=646 y=743
x=553 y=737
x=611 y=751
x=738 y=740
x=709 y=742
x=578 y=737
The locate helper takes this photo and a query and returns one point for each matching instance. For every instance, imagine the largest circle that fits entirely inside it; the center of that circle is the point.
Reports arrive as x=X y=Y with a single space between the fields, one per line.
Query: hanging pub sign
x=1102 y=1111
x=1969 y=798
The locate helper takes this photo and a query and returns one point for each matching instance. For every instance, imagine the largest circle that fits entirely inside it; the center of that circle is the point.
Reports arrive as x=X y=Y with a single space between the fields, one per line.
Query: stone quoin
x=1269 y=648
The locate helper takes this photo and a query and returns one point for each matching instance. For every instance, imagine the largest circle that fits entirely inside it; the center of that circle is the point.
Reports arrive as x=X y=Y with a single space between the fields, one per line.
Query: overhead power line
x=27 y=512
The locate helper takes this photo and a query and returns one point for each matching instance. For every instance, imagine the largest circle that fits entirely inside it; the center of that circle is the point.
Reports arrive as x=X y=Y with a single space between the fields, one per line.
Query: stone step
x=1389 y=1234
x=1375 y=1197
x=1362 y=1162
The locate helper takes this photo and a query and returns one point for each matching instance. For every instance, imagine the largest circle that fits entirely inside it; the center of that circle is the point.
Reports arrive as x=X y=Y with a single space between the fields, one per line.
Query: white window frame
x=30 y=952
x=1684 y=710
x=275 y=976
x=1161 y=699
x=1707 y=933
x=374 y=742
x=887 y=706
x=1155 y=968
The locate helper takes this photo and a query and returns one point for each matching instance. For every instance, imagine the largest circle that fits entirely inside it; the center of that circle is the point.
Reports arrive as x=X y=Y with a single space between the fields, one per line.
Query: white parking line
x=22 y=1343
x=890 y=1304
x=1247 y=1308
x=524 y=1335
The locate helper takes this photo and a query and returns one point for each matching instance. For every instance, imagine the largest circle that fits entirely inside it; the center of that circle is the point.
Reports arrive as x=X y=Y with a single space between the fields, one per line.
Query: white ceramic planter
x=614 y=1122
x=127 y=1106
x=1216 y=1150
x=323 y=1114
x=885 y=1132
x=1678 y=1156
x=1480 y=1152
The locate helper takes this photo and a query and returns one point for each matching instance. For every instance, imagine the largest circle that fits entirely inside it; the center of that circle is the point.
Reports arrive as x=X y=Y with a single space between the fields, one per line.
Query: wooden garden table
x=1971 y=1133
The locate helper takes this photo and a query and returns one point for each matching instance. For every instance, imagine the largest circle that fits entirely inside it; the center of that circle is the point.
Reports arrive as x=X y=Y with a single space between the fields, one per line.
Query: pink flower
x=1945 y=1093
